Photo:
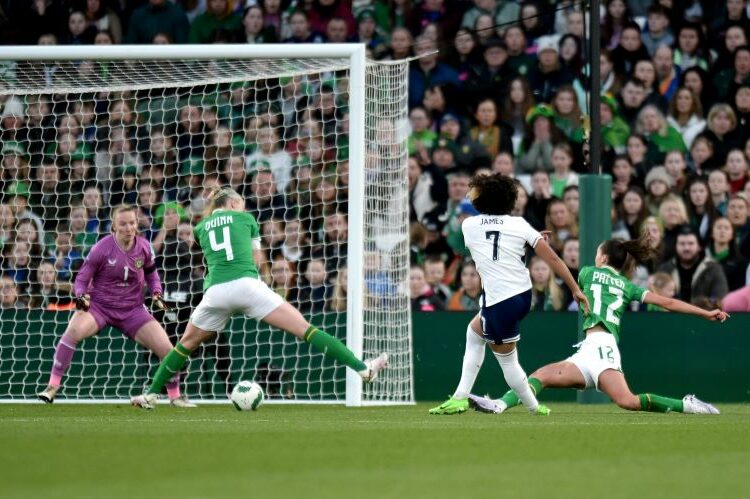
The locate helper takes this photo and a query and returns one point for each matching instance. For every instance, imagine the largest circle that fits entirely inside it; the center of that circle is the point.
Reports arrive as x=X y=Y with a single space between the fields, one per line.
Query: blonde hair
x=673 y=198
x=661 y=280
x=219 y=197
x=551 y=286
x=122 y=209
x=721 y=108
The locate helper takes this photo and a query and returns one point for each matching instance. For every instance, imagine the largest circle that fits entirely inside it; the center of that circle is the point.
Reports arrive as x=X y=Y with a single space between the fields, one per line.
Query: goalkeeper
x=230 y=240
x=109 y=292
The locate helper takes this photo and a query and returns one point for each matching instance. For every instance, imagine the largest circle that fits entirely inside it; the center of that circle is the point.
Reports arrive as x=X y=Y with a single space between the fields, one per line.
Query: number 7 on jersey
x=495 y=236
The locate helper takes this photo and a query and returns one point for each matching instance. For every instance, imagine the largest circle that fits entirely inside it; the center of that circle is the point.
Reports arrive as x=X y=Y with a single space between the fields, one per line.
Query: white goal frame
x=356 y=54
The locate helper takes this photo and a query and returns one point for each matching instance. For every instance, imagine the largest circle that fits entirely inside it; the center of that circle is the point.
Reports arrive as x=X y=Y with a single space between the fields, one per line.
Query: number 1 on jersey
x=226 y=243
x=495 y=235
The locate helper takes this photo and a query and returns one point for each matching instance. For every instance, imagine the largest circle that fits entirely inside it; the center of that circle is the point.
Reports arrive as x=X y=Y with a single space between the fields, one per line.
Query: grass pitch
x=100 y=451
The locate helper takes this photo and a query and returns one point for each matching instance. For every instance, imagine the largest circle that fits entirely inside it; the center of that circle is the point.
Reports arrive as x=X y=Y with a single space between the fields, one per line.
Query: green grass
x=103 y=451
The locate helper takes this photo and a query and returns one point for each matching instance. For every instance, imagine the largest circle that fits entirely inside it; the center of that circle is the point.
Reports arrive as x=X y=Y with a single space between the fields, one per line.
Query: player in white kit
x=497 y=242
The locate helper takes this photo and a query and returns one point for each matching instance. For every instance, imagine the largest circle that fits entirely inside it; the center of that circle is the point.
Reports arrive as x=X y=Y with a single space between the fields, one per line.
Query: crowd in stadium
x=498 y=86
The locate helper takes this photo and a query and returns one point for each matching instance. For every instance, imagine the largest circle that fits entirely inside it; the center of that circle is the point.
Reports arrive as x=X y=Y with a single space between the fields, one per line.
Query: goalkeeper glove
x=159 y=302
x=83 y=302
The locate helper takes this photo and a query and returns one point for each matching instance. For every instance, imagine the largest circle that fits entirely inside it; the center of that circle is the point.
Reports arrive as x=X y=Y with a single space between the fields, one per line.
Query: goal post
x=334 y=201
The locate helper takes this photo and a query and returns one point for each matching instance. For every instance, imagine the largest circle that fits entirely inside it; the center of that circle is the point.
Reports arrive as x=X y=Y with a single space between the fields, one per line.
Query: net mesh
x=81 y=137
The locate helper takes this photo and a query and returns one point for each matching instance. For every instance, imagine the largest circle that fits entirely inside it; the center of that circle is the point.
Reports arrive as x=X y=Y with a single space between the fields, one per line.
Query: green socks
x=333 y=348
x=511 y=399
x=171 y=364
x=657 y=403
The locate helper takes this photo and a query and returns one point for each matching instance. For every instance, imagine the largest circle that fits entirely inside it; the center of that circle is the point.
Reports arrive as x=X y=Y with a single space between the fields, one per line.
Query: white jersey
x=498 y=245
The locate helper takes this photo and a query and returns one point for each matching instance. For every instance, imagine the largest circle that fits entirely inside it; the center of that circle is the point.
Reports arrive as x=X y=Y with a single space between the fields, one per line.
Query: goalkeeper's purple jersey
x=115 y=278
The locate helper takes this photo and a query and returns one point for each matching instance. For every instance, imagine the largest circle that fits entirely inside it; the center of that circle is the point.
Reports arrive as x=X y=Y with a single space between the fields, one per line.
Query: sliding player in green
x=597 y=362
x=229 y=238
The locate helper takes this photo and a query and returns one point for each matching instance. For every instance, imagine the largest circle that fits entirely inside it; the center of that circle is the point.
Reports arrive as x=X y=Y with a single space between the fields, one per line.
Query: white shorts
x=246 y=296
x=597 y=353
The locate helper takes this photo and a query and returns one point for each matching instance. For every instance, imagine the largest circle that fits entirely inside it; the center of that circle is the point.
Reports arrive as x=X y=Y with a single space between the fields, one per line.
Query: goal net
x=313 y=137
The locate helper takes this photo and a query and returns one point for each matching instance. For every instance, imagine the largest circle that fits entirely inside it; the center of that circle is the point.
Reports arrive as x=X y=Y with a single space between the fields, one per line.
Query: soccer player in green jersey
x=230 y=238
x=596 y=364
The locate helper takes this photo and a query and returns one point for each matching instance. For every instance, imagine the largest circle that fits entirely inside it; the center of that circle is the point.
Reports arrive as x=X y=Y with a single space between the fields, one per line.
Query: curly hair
x=494 y=194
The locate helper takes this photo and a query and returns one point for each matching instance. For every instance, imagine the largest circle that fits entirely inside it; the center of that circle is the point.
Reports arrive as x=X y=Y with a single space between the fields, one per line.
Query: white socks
x=473 y=359
x=516 y=378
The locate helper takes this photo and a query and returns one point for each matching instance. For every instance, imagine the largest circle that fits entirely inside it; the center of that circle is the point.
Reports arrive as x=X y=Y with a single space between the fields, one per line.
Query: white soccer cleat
x=374 y=366
x=693 y=405
x=182 y=402
x=486 y=404
x=145 y=401
x=48 y=395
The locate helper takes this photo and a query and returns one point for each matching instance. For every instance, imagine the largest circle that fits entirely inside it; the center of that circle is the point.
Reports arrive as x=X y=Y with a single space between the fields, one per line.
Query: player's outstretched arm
x=547 y=254
x=674 y=305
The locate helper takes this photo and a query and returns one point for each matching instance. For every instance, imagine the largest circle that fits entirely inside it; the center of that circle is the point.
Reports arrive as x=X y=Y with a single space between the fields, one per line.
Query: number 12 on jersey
x=596 y=289
x=226 y=242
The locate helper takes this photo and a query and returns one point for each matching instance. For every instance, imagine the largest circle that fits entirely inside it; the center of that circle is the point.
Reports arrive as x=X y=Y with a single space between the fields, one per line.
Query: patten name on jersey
x=605 y=278
x=491 y=221
x=220 y=220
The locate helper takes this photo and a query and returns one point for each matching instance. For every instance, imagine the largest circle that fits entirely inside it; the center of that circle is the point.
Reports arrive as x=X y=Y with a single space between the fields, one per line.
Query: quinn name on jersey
x=498 y=245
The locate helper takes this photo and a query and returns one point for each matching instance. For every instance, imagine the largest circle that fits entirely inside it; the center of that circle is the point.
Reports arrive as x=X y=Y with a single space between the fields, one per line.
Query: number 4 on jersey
x=226 y=242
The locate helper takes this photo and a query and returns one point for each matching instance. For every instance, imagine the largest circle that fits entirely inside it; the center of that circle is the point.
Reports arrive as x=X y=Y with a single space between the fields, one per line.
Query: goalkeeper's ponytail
x=219 y=197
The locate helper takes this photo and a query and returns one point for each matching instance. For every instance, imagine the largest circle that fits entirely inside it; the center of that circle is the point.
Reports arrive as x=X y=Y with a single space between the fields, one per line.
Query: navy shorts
x=501 y=322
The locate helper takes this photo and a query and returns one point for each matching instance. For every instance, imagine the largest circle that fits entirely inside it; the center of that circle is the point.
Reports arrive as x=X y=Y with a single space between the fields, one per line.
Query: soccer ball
x=247 y=396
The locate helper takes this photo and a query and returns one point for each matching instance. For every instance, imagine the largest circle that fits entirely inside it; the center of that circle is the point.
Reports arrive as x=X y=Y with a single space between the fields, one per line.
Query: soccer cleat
x=541 y=410
x=145 y=401
x=374 y=366
x=451 y=406
x=182 y=402
x=693 y=405
x=486 y=404
x=48 y=395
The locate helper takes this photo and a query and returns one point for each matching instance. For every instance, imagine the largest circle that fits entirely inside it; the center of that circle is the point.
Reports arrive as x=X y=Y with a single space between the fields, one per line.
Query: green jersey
x=609 y=295
x=227 y=239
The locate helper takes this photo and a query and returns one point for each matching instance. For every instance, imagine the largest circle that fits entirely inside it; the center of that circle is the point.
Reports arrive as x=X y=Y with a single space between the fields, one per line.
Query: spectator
x=427 y=190
x=296 y=246
x=691 y=49
x=697 y=80
x=718 y=184
x=546 y=294
x=721 y=131
x=427 y=71
x=255 y=31
x=614 y=130
x=490 y=78
x=632 y=212
x=422 y=138
x=67 y=258
x=560 y=223
x=686 y=115
x=422 y=296
x=701 y=209
x=315 y=289
x=571 y=198
x=562 y=176
x=273 y=234
x=675 y=164
x=271 y=155
x=610 y=80
x=652 y=226
x=701 y=156
x=737 y=170
x=630 y=49
x=541 y=196
x=698 y=278
x=219 y=15
x=571 y=55
x=736 y=301
x=337 y=302
x=661 y=284
x=631 y=101
x=17 y=196
x=519 y=61
x=45 y=291
x=435 y=275
x=366 y=32
x=104 y=19
x=673 y=217
x=723 y=249
x=18 y=264
x=658 y=184
x=495 y=137
x=469 y=154
x=7 y=225
x=284 y=279
x=467 y=297
x=158 y=16
x=568 y=116
x=517 y=106
x=667 y=76
x=571 y=257
x=321 y=12
x=623 y=177
x=541 y=135
x=661 y=136
x=658 y=33
x=10 y=299
x=616 y=16
x=549 y=75
x=738 y=214
x=400 y=46
x=729 y=80
x=301 y=31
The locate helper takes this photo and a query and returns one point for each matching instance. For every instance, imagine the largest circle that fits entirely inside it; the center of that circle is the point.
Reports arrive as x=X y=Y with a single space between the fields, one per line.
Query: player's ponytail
x=624 y=255
x=219 y=197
